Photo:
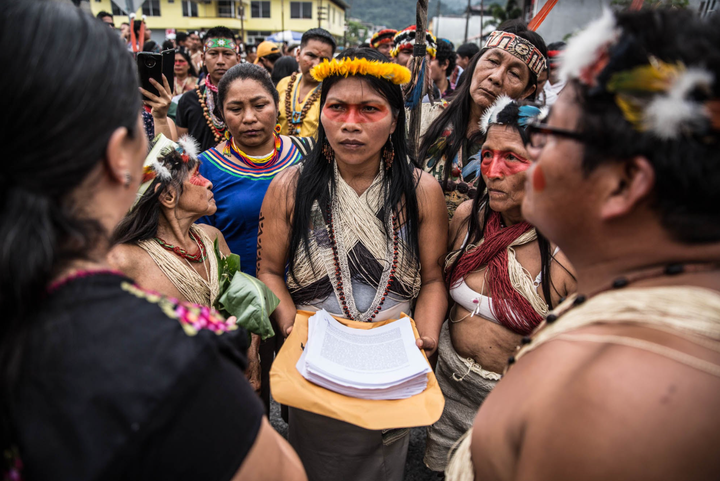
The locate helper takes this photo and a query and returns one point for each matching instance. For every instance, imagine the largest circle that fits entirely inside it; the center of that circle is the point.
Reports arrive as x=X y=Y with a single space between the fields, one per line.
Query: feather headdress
x=656 y=97
x=586 y=53
x=164 y=153
x=490 y=115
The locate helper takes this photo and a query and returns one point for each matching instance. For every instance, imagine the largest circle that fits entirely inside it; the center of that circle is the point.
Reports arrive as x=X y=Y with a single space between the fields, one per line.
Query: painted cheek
x=354 y=114
x=199 y=180
x=538 y=179
x=500 y=166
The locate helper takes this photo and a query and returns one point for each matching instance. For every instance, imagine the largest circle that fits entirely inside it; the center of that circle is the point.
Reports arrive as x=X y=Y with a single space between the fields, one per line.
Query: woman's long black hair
x=458 y=112
x=316 y=182
x=481 y=212
x=55 y=134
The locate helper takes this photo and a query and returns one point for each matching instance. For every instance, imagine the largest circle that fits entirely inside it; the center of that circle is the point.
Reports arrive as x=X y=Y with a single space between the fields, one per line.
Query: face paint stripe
x=501 y=165
x=354 y=114
x=538 y=180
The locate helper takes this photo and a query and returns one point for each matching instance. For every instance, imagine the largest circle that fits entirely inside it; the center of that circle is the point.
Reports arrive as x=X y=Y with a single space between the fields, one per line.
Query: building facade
x=253 y=20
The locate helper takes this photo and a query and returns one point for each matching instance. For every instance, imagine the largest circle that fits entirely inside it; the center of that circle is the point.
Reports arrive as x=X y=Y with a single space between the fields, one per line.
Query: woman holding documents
x=362 y=232
x=503 y=275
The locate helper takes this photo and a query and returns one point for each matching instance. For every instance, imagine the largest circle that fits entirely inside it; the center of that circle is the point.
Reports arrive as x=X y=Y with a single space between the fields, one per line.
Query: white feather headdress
x=584 y=48
x=668 y=115
x=491 y=114
x=190 y=146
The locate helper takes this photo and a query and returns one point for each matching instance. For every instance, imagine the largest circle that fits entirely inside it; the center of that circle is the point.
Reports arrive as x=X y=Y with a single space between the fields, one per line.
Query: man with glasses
x=622 y=382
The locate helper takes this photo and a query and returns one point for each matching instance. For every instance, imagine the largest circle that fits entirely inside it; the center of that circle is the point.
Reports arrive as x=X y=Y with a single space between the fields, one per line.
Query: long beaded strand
x=296 y=118
x=338 y=274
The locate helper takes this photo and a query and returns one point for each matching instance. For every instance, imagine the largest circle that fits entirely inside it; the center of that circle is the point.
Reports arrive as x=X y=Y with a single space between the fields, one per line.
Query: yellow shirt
x=312 y=117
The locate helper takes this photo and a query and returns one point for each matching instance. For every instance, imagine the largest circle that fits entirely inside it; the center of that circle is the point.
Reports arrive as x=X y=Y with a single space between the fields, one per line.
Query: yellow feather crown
x=391 y=72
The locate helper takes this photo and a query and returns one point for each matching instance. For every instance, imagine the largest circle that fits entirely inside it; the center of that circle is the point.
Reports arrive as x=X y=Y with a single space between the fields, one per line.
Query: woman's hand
x=253 y=370
x=160 y=104
x=427 y=344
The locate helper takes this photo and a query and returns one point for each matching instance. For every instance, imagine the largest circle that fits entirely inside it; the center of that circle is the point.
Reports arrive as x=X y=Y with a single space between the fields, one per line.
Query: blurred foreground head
x=633 y=143
x=71 y=129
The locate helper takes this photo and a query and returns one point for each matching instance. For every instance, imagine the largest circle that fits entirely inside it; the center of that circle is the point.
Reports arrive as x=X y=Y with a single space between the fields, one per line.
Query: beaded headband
x=404 y=40
x=219 y=43
x=391 y=72
x=519 y=48
x=382 y=37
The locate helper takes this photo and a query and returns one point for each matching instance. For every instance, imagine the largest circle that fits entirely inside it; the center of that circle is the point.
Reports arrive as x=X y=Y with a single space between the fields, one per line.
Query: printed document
x=380 y=363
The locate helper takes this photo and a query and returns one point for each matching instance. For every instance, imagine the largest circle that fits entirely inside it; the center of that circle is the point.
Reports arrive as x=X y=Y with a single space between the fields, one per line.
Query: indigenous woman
x=102 y=379
x=186 y=77
x=509 y=64
x=242 y=167
x=503 y=277
x=361 y=231
x=159 y=244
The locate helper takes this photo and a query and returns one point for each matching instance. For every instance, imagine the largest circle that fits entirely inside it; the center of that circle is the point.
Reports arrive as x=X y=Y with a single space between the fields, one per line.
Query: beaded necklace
x=350 y=310
x=207 y=102
x=197 y=258
x=231 y=148
x=294 y=117
x=621 y=282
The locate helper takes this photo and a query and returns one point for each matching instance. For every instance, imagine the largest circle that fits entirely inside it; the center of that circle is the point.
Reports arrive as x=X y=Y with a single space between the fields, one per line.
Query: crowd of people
x=556 y=240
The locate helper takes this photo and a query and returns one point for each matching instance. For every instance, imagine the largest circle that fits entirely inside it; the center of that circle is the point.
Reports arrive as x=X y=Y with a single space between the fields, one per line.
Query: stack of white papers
x=379 y=363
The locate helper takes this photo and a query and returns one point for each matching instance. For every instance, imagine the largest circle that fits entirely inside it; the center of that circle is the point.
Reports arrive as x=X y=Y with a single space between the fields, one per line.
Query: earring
x=278 y=128
x=389 y=154
x=328 y=152
x=128 y=180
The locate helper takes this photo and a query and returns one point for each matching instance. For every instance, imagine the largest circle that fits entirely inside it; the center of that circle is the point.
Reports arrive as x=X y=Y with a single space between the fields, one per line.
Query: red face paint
x=538 y=179
x=199 y=180
x=355 y=113
x=502 y=163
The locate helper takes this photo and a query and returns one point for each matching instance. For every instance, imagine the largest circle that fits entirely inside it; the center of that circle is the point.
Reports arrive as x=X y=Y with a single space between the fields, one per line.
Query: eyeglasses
x=538 y=134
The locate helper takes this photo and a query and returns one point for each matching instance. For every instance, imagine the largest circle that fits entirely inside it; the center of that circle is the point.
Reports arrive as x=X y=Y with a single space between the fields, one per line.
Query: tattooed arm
x=273 y=243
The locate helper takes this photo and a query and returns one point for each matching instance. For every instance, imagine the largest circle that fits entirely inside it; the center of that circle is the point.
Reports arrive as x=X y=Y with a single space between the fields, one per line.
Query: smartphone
x=150 y=66
x=169 y=67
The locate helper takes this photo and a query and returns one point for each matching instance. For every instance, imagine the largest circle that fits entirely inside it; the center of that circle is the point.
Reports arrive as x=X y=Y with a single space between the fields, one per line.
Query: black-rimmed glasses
x=538 y=134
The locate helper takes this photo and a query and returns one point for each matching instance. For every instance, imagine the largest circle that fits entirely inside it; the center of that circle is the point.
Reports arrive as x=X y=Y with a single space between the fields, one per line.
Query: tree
x=510 y=11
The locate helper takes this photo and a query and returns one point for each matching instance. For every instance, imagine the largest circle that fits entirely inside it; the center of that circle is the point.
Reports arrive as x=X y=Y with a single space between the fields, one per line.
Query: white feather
x=161 y=171
x=544 y=112
x=582 y=49
x=666 y=115
x=490 y=115
x=190 y=146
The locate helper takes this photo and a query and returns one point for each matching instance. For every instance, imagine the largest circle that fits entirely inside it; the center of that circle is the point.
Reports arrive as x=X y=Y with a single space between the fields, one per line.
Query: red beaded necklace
x=197 y=258
x=338 y=274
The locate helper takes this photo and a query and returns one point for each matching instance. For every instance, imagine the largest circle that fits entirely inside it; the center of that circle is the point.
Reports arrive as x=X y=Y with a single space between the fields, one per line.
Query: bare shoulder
x=285 y=181
x=426 y=182
x=582 y=403
x=129 y=259
x=211 y=231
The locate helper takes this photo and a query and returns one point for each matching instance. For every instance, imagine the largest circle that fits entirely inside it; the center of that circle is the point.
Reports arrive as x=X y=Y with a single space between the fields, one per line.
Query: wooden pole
x=467 y=21
x=482 y=19
x=421 y=18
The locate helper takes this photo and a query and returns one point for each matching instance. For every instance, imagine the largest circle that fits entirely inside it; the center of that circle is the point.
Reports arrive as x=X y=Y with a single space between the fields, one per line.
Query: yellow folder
x=289 y=387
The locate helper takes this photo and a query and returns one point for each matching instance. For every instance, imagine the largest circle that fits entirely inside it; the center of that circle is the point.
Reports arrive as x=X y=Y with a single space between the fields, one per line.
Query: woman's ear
x=169 y=197
x=632 y=183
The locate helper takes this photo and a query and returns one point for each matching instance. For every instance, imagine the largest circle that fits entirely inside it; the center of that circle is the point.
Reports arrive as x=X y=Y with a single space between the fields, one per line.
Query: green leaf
x=251 y=302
